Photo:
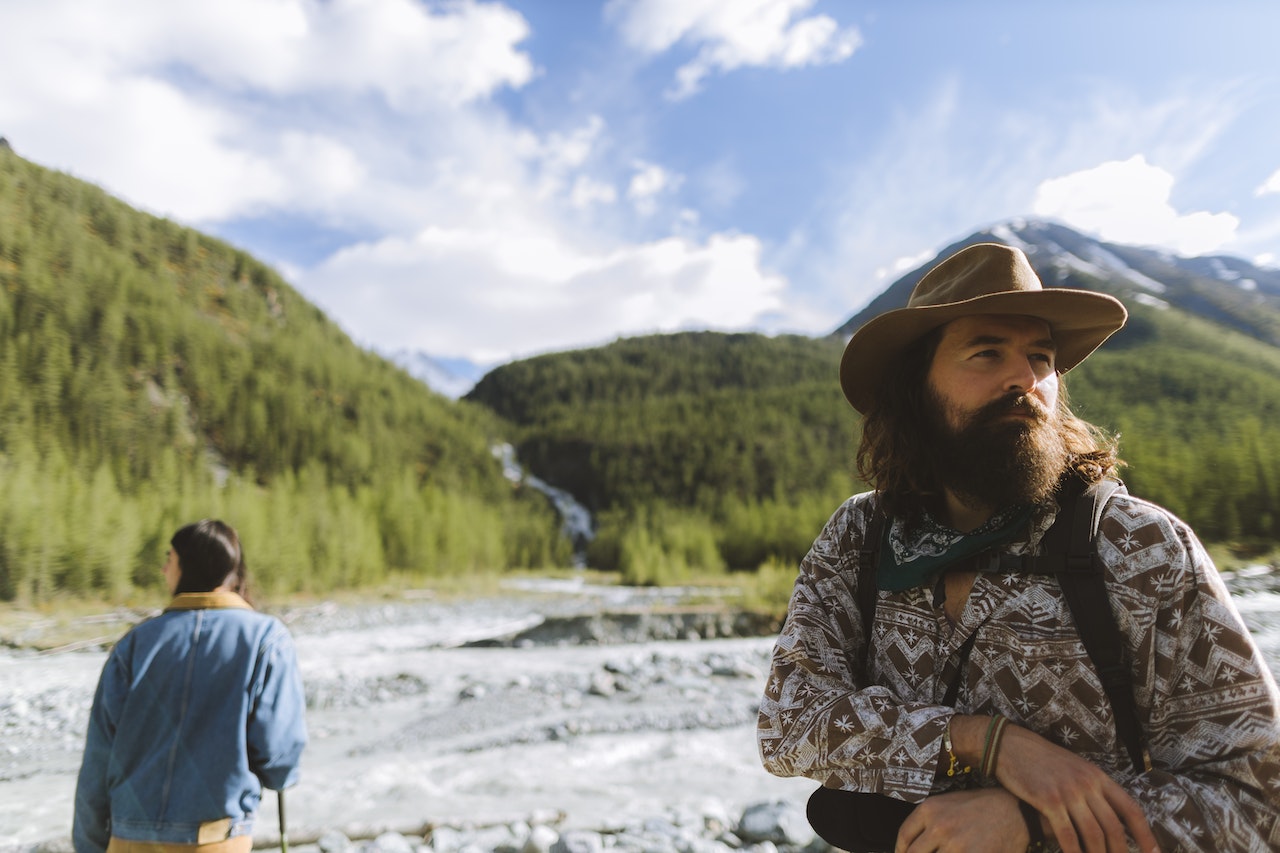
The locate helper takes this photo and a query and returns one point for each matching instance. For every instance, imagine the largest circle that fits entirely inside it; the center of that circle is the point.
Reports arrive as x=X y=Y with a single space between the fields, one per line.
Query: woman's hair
x=209 y=556
x=893 y=452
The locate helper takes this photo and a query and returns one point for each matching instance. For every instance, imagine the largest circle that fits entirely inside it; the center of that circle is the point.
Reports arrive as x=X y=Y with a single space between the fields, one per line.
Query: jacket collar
x=218 y=599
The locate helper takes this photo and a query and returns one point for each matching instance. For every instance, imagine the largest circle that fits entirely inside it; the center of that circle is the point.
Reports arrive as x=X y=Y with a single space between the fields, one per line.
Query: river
x=415 y=720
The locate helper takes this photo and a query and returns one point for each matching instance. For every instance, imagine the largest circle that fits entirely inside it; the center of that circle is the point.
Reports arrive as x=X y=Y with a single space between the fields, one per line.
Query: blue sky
x=494 y=180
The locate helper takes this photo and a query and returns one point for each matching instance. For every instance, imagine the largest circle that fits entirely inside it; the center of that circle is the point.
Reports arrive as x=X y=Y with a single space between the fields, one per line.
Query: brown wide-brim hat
x=986 y=278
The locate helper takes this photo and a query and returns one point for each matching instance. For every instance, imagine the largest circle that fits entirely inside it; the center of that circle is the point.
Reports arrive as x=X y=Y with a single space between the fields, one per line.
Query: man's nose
x=1022 y=377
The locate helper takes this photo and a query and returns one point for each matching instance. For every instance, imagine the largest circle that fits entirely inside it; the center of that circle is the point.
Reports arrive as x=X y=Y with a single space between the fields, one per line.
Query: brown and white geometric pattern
x=1207 y=702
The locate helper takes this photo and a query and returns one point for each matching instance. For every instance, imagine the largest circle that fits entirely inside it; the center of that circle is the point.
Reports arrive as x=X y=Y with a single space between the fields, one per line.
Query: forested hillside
x=731 y=450
x=1197 y=408
x=694 y=450
x=150 y=375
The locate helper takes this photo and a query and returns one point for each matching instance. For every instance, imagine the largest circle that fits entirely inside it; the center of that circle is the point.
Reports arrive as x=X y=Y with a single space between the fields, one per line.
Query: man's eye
x=1042 y=356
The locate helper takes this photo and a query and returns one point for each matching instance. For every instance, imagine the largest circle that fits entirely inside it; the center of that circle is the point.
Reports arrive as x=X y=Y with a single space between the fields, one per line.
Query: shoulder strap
x=1084 y=586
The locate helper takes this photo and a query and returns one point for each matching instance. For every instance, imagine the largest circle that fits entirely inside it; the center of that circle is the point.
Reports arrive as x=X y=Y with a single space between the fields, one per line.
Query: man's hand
x=1084 y=807
x=984 y=820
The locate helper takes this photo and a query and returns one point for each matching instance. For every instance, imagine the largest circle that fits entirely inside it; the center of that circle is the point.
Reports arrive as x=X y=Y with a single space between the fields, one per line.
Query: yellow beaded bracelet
x=954 y=768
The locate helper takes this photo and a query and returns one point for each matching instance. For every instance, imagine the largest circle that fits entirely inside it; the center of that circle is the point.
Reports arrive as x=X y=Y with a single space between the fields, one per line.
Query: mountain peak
x=1225 y=289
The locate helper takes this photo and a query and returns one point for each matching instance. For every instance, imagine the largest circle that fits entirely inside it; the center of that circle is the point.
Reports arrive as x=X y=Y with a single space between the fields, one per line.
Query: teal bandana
x=895 y=577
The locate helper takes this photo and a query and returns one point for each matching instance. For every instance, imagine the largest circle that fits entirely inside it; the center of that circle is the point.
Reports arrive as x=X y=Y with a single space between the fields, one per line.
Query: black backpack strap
x=1084 y=586
x=1067 y=552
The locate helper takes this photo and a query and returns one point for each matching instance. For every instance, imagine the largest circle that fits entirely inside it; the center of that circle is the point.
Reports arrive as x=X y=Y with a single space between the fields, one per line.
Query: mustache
x=1012 y=403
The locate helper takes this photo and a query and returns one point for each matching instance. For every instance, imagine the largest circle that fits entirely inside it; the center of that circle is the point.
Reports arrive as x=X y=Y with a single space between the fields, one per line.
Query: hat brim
x=1080 y=321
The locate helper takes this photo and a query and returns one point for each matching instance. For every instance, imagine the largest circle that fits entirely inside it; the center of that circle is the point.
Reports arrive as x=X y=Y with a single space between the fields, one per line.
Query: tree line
x=151 y=375
x=716 y=452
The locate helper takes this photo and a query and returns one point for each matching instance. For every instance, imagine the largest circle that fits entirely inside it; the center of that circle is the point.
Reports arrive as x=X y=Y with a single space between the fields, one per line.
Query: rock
x=762 y=847
x=541 y=839
x=602 y=684
x=660 y=826
x=334 y=841
x=716 y=819
x=508 y=838
x=473 y=691
x=446 y=839
x=579 y=841
x=779 y=823
x=704 y=845
x=389 y=842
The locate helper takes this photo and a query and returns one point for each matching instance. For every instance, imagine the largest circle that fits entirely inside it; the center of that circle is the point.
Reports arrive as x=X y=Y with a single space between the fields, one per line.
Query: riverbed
x=586 y=706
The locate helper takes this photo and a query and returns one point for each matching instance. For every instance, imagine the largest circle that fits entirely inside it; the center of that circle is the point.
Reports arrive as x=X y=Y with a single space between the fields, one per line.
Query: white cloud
x=1270 y=185
x=903 y=265
x=648 y=183
x=1128 y=202
x=492 y=294
x=404 y=50
x=207 y=111
x=587 y=192
x=960 y=159
x=486 y=238
x=728 y=36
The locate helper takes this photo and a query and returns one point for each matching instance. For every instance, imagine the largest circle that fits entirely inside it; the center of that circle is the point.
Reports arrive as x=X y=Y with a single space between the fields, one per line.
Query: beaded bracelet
x=991 y=746
x=1037 y=843
x=954 y=767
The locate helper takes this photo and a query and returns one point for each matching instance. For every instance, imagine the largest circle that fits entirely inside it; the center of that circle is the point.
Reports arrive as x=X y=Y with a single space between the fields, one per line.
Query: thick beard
x=997 y=463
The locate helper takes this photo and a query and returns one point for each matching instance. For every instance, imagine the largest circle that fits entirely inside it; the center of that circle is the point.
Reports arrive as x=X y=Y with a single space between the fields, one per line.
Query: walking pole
x=284 y=839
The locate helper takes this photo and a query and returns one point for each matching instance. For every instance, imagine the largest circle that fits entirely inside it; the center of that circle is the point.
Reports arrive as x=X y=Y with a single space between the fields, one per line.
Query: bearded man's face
x=991 y=398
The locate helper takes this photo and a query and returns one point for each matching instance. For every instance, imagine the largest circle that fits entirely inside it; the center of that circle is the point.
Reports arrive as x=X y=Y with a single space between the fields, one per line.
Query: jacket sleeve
x=1213 y=712
x=277 y=723
x=91 y=826
x=820 y=717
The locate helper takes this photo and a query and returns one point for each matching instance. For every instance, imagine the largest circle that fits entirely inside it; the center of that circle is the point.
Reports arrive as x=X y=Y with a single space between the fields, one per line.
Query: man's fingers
x=1110 y=822
x=1134 y=818
x=1089 y=827
x=908 y=832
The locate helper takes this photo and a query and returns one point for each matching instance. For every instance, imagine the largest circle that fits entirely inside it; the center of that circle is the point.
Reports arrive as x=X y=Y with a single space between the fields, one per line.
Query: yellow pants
x=239 y=844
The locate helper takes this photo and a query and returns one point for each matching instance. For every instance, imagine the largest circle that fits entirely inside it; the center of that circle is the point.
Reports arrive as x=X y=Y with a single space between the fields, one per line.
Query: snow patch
x=1007 y=233
x=1222 y=271
x=1102 y=263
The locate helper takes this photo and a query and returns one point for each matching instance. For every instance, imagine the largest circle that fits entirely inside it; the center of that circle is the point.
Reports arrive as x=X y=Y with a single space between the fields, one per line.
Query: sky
x=488 y=181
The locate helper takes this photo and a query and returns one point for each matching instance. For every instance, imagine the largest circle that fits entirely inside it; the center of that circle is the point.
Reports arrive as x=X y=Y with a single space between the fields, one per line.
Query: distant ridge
x=451 y=377
x=1224 y=289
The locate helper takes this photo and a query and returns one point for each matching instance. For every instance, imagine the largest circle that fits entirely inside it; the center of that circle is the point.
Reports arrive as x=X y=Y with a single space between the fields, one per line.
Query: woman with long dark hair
x=197 y=710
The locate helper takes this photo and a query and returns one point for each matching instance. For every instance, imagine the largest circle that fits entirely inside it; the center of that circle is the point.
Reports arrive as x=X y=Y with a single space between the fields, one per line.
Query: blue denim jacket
x=196 y=711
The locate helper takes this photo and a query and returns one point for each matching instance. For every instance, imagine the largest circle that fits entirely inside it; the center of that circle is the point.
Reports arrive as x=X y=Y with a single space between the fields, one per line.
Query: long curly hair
x=893 y=455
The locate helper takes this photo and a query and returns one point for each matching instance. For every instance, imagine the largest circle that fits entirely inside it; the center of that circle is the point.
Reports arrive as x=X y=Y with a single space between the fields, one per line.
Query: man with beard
x=968 y=716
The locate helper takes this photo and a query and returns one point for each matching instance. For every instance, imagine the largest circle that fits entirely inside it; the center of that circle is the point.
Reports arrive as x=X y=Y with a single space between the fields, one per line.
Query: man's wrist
x=967 y=734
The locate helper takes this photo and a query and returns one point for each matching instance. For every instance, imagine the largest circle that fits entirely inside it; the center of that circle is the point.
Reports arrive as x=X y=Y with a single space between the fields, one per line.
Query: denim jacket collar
x=217 y=599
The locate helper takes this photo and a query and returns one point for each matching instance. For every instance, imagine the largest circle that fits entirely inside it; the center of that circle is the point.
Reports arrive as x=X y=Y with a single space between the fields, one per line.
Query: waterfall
x=575 y=518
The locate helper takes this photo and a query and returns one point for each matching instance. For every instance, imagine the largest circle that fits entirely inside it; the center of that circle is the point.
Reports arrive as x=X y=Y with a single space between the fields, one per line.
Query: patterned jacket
x=1207 y=702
